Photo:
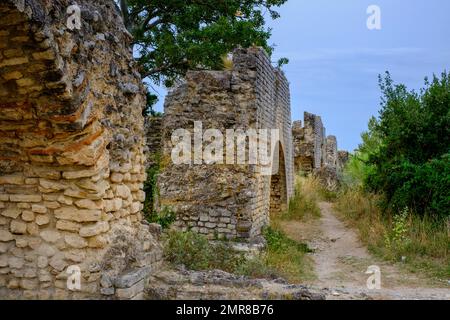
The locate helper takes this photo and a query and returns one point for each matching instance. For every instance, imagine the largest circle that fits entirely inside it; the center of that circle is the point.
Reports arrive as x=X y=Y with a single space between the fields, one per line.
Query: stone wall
x=309 y=143
x=228 y=200
x=314 y=153
x=72 y=165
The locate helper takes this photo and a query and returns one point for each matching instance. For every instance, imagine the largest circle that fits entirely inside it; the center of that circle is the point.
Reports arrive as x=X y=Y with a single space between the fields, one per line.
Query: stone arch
x=278 y=200
x=71 y=151
x=227 y=200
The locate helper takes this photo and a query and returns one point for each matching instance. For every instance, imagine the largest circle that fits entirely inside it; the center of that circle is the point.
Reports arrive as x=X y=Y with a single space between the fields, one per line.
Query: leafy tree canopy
x=408 y=147
x=172 y=36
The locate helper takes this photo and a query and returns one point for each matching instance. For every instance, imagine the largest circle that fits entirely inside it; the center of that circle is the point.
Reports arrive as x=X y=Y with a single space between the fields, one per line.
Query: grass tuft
x=423 y=243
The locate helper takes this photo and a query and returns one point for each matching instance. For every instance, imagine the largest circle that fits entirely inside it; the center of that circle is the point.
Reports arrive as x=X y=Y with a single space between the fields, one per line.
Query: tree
x=173 y=36
x=411 y=164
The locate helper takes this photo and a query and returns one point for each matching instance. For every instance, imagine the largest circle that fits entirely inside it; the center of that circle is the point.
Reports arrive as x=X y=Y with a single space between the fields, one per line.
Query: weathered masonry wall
x=228 y=200
x=71 y=154
x=316 y=153
x=309 y=143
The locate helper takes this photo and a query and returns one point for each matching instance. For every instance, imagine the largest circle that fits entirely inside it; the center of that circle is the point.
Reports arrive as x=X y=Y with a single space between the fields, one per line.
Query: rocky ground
x=341 y=262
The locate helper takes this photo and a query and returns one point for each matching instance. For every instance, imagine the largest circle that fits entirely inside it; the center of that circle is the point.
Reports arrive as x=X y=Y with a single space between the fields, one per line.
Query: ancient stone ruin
x=223 y=200
x=316 y=153
x=71 y=154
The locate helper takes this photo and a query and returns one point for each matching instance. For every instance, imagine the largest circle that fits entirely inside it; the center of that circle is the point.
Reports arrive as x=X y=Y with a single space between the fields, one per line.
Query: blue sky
x=335 y=60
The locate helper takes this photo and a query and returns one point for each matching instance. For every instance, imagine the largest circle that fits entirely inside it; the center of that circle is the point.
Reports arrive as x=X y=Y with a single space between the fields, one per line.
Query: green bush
x=165 y=217
x=409 y=161
x=278 y=241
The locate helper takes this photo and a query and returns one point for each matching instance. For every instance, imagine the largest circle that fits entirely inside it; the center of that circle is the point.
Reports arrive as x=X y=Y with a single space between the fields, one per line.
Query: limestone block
x=42 y=262
x=42 y=220
x=11 y=213
x=132 y=277
x=131 y=292
x=75 y=241
x=28 y=216
x=78 y=215
x=12 y=179
x=113 y=205
x=52 y=185
x=32 y=229
x=122 y=191
x=46 y=250
x=100 y=241
x=89 y=204
x=75 y=255
x=57 y=262
x=94 y=229
x=18 y=227
x=50 y=235
x=68 y=225
x=15 y=262
x=25 y=198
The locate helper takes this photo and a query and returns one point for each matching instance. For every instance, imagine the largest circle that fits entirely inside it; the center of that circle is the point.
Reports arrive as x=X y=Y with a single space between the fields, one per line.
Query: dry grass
x=304 y=203
x=284 y=255
x=423 y=244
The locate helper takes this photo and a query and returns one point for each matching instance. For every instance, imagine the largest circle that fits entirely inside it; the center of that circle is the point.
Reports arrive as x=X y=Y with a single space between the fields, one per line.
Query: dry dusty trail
x=341 y=261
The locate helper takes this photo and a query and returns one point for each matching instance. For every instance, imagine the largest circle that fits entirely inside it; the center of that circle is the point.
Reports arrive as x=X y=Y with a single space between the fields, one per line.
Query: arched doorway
x=278 y=189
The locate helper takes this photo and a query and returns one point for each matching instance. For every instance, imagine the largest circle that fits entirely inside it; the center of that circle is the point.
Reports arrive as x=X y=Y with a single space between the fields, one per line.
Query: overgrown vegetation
x=409 y=163
x=196 y=252
x=165 y=217
x=397 y=184
x=173 y=36
x=303 y=205
x=286 y=256
x=283 y=257
x=417 y=241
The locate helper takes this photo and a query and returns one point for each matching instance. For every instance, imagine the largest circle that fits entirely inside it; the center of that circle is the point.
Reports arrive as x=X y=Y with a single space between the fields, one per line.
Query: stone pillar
x=220 y=199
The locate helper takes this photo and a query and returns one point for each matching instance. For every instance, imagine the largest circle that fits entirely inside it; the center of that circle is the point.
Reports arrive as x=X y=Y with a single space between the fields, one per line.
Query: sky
x=335 y=59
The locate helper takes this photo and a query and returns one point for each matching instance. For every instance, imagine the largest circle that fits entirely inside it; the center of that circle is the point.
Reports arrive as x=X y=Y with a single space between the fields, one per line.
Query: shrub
x=411 y=165
x=196 y=252
x=165 y=217
x=303 y=204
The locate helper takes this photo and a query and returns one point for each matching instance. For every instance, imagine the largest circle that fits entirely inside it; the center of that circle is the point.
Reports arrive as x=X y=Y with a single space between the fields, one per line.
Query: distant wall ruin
x=316 y=153
x=232 y=201
x=71 y=154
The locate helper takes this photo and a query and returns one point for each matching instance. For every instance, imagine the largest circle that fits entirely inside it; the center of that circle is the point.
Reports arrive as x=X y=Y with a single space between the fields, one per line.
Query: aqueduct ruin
x=232 y=201
x=71 y=154
x=72 y=160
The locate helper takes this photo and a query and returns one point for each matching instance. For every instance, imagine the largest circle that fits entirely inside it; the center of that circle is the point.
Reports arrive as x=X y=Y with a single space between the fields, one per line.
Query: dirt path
x=341 y=261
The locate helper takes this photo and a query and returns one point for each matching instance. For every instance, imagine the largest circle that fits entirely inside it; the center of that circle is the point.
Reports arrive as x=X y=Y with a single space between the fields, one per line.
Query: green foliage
x=278 y=241
x=165 y=217
x=398 y=237
x=358 y=167
x=405 y=153
x=150 y=187
x=173 y=36
x=196 y=252
x=283 y=256
x=404 y=162
x=281 y=62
